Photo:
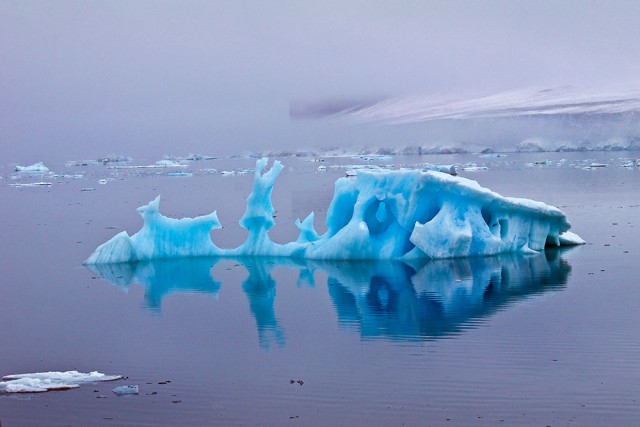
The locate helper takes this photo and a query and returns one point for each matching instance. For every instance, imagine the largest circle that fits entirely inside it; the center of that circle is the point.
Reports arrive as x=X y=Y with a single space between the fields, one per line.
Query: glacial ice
x=381 y=214
x=44 y=381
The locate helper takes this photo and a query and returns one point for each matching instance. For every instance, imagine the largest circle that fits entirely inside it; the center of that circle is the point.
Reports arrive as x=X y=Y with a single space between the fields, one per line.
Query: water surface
x=517 y=340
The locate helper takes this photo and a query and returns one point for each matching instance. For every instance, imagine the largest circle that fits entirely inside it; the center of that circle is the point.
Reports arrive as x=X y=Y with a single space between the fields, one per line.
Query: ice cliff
x=381 y=214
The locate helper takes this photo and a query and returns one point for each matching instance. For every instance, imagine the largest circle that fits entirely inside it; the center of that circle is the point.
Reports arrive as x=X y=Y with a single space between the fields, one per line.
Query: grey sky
x=91 y=78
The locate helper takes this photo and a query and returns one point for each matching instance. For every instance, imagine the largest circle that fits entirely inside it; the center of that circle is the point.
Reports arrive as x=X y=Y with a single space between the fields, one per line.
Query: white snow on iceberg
x=382 y=214
x=40 y=382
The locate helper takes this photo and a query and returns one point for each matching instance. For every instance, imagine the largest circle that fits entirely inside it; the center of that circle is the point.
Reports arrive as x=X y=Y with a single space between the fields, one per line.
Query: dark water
x=551 y=339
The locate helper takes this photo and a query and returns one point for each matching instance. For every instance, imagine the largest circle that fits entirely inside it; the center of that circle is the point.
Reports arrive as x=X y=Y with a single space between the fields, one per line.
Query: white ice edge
x=39 y=382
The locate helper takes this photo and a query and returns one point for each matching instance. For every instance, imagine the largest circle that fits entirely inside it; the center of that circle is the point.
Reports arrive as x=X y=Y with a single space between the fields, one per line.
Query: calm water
x=543 y=340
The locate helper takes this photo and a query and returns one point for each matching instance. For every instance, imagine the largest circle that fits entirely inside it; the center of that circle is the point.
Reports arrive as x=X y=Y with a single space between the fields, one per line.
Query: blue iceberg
x=381 y=214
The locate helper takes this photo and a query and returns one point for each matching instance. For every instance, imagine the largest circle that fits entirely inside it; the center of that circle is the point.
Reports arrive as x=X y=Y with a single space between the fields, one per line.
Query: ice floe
x=45 y=381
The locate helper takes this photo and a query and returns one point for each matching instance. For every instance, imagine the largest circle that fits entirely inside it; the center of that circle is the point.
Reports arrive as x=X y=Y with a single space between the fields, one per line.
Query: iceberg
x=381 y=214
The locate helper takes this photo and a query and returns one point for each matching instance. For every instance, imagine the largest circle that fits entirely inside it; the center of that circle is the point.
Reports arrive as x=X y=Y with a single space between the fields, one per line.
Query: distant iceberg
x=381 y=214
x=34 y=168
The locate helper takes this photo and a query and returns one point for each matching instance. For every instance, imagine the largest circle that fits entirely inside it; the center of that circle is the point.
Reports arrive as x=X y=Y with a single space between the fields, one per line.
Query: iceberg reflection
x=422 y=300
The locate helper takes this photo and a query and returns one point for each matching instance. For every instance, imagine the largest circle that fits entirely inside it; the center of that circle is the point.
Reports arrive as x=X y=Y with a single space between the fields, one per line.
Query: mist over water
x=81 y=80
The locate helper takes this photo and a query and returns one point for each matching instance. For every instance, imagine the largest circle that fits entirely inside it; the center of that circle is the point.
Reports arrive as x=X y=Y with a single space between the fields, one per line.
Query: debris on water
x=165 y=382
x=300 y=382
x=126 y=390
x=88 y=189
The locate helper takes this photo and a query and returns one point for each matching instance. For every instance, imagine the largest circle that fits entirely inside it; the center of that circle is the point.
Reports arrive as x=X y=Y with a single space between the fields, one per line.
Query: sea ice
x=44 y=381
x=382 y=214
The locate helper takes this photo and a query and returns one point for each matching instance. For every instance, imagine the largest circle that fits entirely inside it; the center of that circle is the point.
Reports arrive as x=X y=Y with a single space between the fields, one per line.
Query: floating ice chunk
x=569 y=238
x=126 y=390
x=169 y=164
x=382 y=214
x=34 y=168
x=492 y=155
x=197 y=157
x=44 y=381
x=113 y=158
x=474 y=168
x=32 y=184
x=180 y=174
x=322 y=168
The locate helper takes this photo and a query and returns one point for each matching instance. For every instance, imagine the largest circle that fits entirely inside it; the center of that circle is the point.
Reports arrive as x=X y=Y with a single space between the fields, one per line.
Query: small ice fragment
x=322 y=168
x=569 y=238
x=183 y=174
x=34 y=168
x=102 y=181
x=492 y=155
x=196 y=157
x=474 y=168
x=32 y=184
x=126 y=390
x=597 y=165
x=88 y=189
x=228 y=173
x=168 y=164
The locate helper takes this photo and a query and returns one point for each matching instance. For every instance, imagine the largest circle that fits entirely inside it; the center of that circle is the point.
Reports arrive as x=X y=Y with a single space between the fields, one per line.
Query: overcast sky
x=96 y=77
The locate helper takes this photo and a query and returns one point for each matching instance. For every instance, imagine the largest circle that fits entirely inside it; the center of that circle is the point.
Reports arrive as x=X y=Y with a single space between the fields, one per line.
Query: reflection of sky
x=389 y=300
x=132 y=76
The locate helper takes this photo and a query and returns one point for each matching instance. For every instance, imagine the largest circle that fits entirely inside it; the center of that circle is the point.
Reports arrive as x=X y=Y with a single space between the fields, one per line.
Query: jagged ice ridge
x=381 y=214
